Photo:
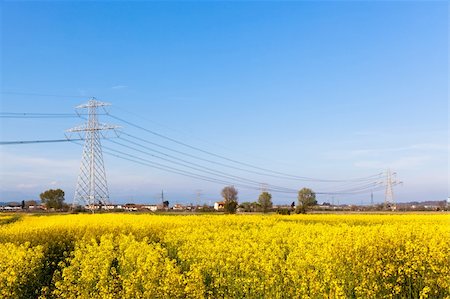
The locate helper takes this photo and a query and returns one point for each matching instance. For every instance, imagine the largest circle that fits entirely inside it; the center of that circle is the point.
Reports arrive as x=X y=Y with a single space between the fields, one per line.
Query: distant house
x=130 y=207
x=108 y=207
x=178 y=207
x=152 y=208
x=11 y=208
x=219 y=205
x=92 y=207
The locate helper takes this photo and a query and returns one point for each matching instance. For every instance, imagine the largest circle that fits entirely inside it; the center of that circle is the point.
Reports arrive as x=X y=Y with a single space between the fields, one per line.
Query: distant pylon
x=391 y=181
x=264 y=187
x=92 y=187
x=199 y=194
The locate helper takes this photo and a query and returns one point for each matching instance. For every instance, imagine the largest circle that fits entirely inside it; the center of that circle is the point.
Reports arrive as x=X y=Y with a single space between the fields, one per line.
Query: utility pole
x=92 y=187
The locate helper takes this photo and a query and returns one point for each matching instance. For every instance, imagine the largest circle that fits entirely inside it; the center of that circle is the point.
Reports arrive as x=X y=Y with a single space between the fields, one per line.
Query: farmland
x=225 y=256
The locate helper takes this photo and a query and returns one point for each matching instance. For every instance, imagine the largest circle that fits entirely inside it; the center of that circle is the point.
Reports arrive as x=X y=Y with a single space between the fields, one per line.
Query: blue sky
x=319 y=89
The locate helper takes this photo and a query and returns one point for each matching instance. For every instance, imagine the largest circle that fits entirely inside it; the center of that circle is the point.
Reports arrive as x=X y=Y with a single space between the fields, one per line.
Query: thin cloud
x=401 y=163
x=417 y=147
x=27 y=186
x=11 y=161
x=119 y=87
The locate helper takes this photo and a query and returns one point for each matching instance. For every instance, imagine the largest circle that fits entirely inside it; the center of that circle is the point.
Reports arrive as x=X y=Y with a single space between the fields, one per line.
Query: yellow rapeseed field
x=225 y=256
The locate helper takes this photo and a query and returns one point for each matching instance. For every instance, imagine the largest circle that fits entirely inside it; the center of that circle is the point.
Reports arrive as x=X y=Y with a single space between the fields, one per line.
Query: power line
x=196 y=166
x=188 y=135
x=249 y=184
x=352 y=188
x=152 y=164
x=365 y=188
x=42 y=115
x=267 y=172
x=201 y=158
x=29 y=117
x=348 y=185
x=132 y=158
x=37 y=114
x=360 y=184
x=43 y=95
x=156 y=165
x=36 y=141
x=284 y=175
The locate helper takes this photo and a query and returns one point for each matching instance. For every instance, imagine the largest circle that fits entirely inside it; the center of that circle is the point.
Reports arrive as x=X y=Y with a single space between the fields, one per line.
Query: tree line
x=54 y=199
x=306 y=198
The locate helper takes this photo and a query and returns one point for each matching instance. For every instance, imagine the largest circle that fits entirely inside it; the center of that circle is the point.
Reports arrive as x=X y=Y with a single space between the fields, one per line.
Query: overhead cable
x=285 y=175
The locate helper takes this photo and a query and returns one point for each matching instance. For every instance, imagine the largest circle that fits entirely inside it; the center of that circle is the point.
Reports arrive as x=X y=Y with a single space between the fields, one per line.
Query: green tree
x=230 y=199
x=265 y=201
x=53 y=198
x=250 y=206
x=306 y=199
x=246 y=206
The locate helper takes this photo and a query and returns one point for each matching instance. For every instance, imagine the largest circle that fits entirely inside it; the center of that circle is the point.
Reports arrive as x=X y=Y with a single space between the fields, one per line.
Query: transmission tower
x=264 y=187
x=391 y=181
x=92 y=187
x=199 y=195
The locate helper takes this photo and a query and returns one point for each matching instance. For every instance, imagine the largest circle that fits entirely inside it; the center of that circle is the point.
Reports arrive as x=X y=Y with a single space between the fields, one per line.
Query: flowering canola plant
x=226 y=256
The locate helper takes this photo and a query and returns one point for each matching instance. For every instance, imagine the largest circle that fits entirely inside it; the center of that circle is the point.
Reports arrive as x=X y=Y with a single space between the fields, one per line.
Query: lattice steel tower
x=92 y=187
x=391 y=181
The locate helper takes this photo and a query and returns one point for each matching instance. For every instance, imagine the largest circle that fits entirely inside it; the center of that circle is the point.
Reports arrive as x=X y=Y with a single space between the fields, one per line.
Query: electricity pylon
x=391 y=181
x=199 y=194
x=264 y=187
x=92 y=187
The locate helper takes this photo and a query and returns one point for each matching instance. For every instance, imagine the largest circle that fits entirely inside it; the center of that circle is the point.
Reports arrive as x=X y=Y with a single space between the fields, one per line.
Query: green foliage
x=265 y=200
x=230 y=207
x=53 y=198
x=300 y=210
x=230 y=199
x=283 y=211
x=9 y=219
x=206 y=209
x=306 y=199
x=250 y=206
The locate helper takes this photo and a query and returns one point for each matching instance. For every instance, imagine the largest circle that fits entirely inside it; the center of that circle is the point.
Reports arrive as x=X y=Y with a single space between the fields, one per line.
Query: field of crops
x=225 y=256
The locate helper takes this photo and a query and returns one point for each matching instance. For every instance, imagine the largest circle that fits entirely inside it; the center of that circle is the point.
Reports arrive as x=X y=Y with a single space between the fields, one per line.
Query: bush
x=284 y=211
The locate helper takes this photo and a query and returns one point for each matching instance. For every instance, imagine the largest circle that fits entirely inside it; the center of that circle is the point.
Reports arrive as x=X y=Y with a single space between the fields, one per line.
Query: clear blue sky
x=319 y=89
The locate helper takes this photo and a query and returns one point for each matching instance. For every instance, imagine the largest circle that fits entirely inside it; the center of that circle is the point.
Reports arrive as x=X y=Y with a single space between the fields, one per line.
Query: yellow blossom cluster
x=226 y=256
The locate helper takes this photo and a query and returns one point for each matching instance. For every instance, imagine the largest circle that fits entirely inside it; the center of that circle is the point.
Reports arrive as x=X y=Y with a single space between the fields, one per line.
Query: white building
x=219 y=205
x=152 y=208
